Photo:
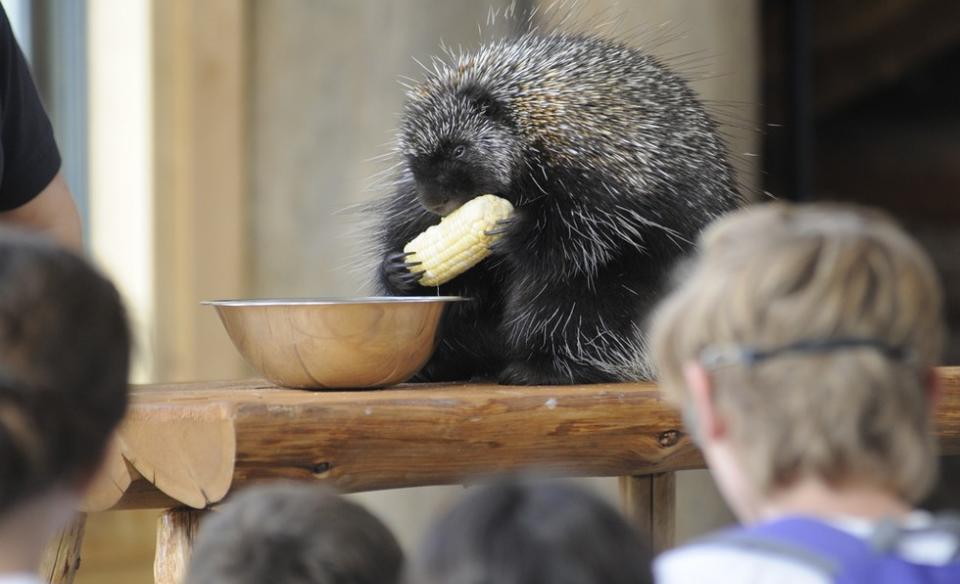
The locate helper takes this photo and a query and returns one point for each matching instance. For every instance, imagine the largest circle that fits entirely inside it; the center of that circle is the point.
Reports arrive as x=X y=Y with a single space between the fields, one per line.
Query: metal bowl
x=335 y=342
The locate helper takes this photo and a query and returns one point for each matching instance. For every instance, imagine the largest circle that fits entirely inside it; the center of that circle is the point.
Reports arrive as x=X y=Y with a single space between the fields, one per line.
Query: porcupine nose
x=447 y=207
x=437 y=198
x=429 y=200
x=439 y=204
x=441 y=190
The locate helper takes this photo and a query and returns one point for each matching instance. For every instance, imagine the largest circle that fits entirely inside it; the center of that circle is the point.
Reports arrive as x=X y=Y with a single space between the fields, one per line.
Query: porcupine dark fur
x=613 y=166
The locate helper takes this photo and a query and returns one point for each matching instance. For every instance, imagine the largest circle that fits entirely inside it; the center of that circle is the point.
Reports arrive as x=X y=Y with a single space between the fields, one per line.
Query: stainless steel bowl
x=334 y=342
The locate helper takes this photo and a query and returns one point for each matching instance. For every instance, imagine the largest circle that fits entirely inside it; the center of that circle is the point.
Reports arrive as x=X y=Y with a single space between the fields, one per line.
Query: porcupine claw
x=397 y=271
x=502 y=227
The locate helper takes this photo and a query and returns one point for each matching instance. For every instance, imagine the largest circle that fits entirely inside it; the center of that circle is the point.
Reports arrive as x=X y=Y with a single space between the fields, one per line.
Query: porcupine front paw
x=437 y=374
x=397 y=274
x=545 y=371
x=531 y=373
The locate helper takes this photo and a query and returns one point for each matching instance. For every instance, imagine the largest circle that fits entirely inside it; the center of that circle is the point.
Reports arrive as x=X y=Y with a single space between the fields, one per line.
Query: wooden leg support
x=61 y=559
x=650 y=501
x=176 y=529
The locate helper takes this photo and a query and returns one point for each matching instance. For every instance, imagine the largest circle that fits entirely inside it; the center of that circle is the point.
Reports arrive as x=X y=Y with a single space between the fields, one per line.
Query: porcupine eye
x=459 y=151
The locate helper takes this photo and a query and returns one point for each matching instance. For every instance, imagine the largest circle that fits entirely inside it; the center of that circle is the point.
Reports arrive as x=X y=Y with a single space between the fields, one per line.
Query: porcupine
x=613 y=166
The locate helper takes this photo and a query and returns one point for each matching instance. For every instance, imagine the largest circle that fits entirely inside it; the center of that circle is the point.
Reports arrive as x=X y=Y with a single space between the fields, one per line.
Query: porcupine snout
x=444 y=180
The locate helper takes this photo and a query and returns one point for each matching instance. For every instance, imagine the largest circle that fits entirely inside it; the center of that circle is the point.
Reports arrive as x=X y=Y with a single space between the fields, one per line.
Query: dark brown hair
x=518 y=532
x=290 y=533
x=64 y=360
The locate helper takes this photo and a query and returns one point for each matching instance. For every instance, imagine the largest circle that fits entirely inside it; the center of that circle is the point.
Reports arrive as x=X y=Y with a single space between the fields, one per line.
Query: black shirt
x=29 y=158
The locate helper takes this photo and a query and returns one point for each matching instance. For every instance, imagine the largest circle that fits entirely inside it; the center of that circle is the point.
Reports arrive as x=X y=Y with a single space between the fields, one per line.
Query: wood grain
x=61 y=558
x=194 y=442
x=948 y=411
x=651 y=503
x=176 y=529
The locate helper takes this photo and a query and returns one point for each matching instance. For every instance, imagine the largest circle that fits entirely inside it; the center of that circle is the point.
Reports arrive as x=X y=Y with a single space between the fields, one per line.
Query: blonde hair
x=776 y=274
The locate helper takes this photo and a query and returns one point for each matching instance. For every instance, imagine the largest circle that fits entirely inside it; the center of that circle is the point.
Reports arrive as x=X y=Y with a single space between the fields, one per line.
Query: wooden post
x=61 y=559
x=201 y=169
x=651 y=502
x=176 y=529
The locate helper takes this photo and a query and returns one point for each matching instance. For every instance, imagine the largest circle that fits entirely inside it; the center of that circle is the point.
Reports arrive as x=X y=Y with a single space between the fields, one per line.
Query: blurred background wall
x=213 y=144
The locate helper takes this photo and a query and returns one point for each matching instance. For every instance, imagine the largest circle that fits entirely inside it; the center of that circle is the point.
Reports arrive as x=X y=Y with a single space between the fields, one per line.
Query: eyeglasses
x=720 y=356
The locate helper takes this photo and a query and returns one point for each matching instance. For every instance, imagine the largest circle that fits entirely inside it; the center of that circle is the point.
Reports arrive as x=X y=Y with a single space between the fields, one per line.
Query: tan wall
x=201 y=174
x=324 y=96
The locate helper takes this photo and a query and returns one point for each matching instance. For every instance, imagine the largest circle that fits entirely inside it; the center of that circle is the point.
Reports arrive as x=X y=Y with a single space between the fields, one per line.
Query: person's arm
x=53 y=212
x=33 y=192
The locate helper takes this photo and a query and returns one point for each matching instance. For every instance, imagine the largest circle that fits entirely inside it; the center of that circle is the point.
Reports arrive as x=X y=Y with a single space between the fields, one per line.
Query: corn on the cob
x=459 y=241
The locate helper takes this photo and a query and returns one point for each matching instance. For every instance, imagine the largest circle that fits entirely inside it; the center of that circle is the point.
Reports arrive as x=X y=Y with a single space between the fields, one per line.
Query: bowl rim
x=331 y=301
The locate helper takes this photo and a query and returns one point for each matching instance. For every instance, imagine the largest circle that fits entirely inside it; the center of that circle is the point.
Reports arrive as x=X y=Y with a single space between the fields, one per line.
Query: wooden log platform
x=189 y=444
x=183 y=447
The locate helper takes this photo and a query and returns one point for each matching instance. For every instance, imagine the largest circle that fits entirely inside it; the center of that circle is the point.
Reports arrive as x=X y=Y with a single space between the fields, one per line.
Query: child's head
x=64 y=353
x=807 y=335
x=517 y=533
x=290 y=533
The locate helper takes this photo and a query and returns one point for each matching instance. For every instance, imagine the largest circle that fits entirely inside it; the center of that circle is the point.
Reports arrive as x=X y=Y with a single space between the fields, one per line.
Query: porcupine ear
x=486 y=103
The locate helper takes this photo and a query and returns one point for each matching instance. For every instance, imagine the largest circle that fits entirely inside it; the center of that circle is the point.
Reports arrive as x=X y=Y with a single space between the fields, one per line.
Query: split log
x=112 y=481
x=186 y=453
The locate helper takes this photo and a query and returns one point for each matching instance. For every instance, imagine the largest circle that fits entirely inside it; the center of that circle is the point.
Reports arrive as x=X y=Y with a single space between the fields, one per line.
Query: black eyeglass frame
x=714 y=356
